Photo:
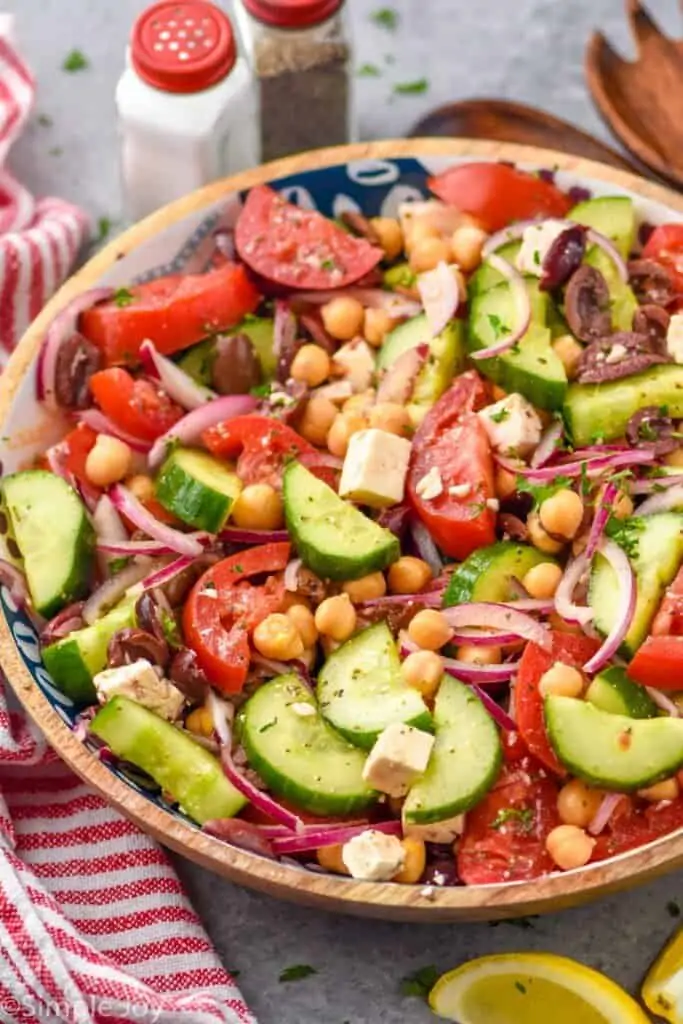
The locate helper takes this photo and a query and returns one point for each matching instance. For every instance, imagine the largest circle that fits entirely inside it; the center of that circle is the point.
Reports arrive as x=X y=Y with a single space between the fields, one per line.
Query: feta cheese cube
x=674 y=338
x=139 y=682
x=446 y=831
x=375 y=468
x=430 y=485
x=513 y=426
x=356 y=362
x=536 y=241
x=373 y=856
x=399 y=755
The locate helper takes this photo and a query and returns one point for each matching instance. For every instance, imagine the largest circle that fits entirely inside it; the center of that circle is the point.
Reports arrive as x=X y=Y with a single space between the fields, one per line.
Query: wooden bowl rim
x=392 y=901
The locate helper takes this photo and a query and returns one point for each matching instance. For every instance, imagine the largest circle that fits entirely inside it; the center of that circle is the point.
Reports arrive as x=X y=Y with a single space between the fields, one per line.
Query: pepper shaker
x=301 y=55
x=186 y=104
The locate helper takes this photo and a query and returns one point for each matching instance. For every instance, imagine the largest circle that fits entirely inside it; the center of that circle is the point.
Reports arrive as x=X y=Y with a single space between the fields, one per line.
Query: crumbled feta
x=674 y=338
x=493 y=504
x=399 y=755
x=512 y=425
x=616 y=353
x=373 y=856
x=446 y=831
x=430 y=485
x=303 y=709
x=428 y=892
x=355 y=361
x=536 y=241
x=140 y=682
x=375 y=468
x=460 y=490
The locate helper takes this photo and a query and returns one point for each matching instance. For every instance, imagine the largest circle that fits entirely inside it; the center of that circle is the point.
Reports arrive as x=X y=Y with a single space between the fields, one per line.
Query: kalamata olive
x=287 y=402
x=396 y=616
x=587 y=304
x=132 y=643
x=512 y=527
x=396 y=519
x=313 y=325
x=63 y=623
x=187 y=675
x=148 y=615
x=653 y=322
x=652 y=282
x=360 y=225
x=650 y=428
x=616 y=356
x=240 y=833
x=77 y=360
x=236 y=368
x=563 y=257
x=441 y=872
x=310 y=586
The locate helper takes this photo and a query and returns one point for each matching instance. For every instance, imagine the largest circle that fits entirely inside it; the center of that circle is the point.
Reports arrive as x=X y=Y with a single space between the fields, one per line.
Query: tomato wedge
x=224 y=607
x=264 y=446
x=571 y=649
x=504 y=837
x=659 y=661
x=299 y=248
x=76 y=446
x=137 y=405
x=633 y=827
x=497 y=194
x=665 y=246
x=452 y=440
x=174 y=311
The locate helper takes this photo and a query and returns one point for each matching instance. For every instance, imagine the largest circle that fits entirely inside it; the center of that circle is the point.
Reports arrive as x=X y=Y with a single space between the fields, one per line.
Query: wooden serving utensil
x=642 y=100
x=504 y=121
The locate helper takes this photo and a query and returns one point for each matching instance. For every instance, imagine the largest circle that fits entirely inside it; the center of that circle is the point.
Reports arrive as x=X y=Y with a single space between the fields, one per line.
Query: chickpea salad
x=364 y=547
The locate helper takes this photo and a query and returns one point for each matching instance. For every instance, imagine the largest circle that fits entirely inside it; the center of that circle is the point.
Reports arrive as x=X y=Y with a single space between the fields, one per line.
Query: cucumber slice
x=76 y=659
x=335 y=540
x=485 y=575
x=361 y=690
x=301 y=757
x=655 y=548
x=613 y=216
x=602 y=411
x=613 y=751
x=190 y=773
x=198 y=360
x=465 y=760
x=486 y=276
x=197 y=488
x=54 y=535
x=622 y=300
x=614 y=692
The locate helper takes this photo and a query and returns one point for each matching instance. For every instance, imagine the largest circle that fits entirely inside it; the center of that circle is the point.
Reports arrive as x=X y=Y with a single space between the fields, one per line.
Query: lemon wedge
x=531 y=988
x=662 y=990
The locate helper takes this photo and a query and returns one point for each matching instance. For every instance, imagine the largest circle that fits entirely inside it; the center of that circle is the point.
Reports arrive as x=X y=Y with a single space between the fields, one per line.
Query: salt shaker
x=300 y=51
x=186 y=104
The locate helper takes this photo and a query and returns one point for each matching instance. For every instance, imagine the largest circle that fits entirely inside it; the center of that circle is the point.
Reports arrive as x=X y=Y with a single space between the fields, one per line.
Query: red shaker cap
x=292 y=13
x=183 y=47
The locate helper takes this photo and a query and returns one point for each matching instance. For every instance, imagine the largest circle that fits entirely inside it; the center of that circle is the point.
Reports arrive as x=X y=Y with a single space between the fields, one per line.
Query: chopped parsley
x=328 y=264
x=45 y=121
x=386 y=17
x=123 y=297
x=673 y=909
x=368 y=71
x=626 y=533
x=646 y=432
x=500 y=416
x=55 y=151
x=238 y=568
x=524 y=815
x=297 y=972
x=170 y=628
x=537 y=258
x=260 y=391
x=265 y=728
x=420 y=982
x=497 y=325
x=539 y=492
x=415 y=88
x=597 y=437
x=117 y=564
x=75 y=61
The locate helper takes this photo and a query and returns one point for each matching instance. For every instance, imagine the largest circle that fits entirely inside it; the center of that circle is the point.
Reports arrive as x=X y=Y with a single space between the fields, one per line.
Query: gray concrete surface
x=527 y=50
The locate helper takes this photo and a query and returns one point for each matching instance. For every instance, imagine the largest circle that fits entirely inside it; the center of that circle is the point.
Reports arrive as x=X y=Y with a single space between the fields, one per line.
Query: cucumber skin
x=613 y=687
x=190 y=500
x=474 y=574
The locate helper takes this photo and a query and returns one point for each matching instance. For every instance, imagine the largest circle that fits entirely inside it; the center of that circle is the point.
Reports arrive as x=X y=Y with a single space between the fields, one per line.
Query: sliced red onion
x=61 y=328
x=398 y=381
x=291 y=575
x=440 y=296
x=152 y=548
x=608 y=806
x=511 y=233
x=472 y=673
x=595 y=465
x=128 y=505
x=112 y=590
x=429 y=598
x=426 y=547
x=278 y=668
x=331 y=836
x=15 y=581
x=260 y=800
x=497 y=713
x=483 y=637
x=602 y=514
x=160 y=577
x=663 y=702
x=609 y=248
x=517 y=588
x=235 y=535
x=654 y=484
x=316 y=459
x=548 y=445
x=500 y=617
x=177 y=384
x=222 y=714
x=542 y=606
x=564 y=595
x=190 y=428
x=280 y=832
x=240 y=833
x=520 y=297
x=662 y=502
x=108 y=524
x=284 y=328
x=67 y=621
x=396 y=306
x=625 y=608
x=103 y=425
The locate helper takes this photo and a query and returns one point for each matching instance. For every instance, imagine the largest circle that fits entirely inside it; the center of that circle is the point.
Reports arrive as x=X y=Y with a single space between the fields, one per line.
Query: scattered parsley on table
x=420 y=982
x=75 y=61
x=420 y=85
x=368 y=71
x=297 y=972
x=387 y=17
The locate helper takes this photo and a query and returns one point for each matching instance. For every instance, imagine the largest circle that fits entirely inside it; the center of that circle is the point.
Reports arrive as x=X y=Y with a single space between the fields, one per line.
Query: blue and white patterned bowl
x=372 y=179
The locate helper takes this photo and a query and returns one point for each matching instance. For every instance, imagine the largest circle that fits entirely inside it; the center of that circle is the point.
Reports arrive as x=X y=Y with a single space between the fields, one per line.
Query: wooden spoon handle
x=504 y=121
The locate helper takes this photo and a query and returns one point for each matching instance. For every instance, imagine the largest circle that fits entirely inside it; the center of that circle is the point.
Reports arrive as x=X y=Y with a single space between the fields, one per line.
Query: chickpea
x=277 y=637
x=311 y=365
x=668 y=789
x=568 y=351
x=336 y=617
x=674 y=459
x=259 y=507
x=318 y=416
x=343 y=317
x=304 y=623
x=427 y=253
x=429 y=629
x=570 y=847
x=562 y=513
x=423 y=670
x=108 y=461
x=561 y=680
x=408 y=575
x=141 y=486
x=542 y=580
x=419 y=230
x=414 y=863
x=505 y=483
x=366 y=588
x=290 y=599
x=391 y=417
x=330 y=857
x=390 y=236
x=341 y=431
x=577 y=803
x=360 y=403
x=376 y=326
x=200 y=722
x=539 y=538
x=475 y=655
x=466 y=245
